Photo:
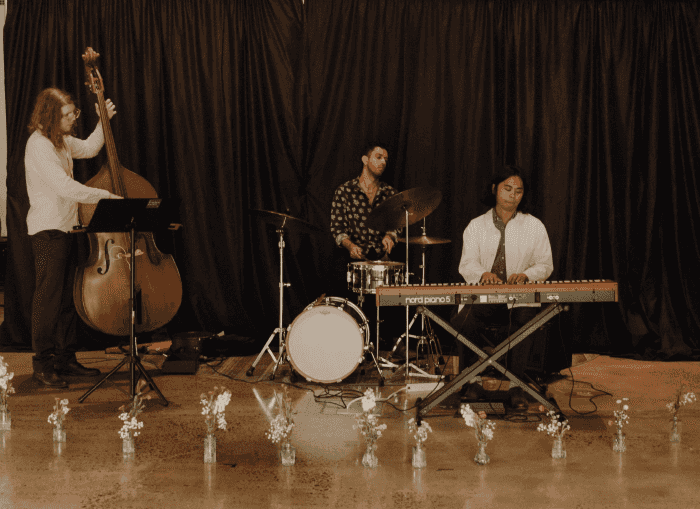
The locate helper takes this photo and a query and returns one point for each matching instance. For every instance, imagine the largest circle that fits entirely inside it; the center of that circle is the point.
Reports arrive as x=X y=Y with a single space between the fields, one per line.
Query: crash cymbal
x=391 y=215
x=424 y=240
x=280 y=220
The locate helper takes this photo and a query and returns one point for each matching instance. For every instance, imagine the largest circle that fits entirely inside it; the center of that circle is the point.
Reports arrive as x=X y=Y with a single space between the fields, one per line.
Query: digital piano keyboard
x=588 y=290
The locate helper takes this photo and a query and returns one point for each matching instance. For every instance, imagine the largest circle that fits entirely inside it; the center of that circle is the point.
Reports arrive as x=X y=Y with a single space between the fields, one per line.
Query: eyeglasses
x=75 y=113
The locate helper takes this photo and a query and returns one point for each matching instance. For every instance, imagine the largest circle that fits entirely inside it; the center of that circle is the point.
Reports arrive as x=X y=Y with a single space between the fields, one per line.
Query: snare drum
x=365 y=277
x=326 y=342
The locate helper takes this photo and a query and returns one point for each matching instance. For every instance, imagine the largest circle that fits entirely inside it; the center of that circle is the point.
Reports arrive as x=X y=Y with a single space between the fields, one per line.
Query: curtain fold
x=227 y=106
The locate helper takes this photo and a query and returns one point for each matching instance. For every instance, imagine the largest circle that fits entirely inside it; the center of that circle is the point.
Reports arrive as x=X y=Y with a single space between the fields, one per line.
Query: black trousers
x=473 y=318
x=53 y=313
x=392 y=319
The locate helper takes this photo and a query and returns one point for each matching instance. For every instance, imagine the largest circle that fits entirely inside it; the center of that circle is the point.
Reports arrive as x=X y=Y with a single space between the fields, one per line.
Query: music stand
x=131 y=215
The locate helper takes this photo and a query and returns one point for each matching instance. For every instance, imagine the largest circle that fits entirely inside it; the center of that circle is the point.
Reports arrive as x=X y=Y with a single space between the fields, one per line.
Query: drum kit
x=327 y=341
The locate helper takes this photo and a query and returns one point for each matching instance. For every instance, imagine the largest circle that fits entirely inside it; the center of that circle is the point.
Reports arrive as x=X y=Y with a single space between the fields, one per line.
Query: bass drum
x=326 y=342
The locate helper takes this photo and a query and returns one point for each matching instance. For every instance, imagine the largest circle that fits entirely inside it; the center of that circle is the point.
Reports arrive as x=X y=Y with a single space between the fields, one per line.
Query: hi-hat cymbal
x=280 y=220
x=391 y=215
x=424 y=240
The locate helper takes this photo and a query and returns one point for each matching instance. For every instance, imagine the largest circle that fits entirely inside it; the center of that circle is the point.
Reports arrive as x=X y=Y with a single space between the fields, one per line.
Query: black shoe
x=400 y=352
x=50 y=379
x=517 y=398
x=471 y=392
x=73 y=368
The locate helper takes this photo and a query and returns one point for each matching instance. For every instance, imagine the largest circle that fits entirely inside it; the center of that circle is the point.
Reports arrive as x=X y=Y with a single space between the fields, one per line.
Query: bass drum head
x=325 y=344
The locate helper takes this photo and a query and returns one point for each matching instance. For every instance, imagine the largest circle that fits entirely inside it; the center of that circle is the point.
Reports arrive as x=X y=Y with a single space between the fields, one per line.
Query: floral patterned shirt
x=349 y=211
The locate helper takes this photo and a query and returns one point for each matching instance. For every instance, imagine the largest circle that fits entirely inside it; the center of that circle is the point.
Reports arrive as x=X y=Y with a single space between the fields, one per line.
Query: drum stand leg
x=279 y=331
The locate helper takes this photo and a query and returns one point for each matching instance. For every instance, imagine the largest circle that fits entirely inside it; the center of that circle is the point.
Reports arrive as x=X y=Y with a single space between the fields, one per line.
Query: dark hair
x=47 y=115
x=503 y=174
x=369 y=147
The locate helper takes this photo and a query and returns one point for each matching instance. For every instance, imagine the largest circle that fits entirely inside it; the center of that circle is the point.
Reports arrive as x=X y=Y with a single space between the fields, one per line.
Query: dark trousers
x=473 y=318
x=53 y=313
x=392 y=319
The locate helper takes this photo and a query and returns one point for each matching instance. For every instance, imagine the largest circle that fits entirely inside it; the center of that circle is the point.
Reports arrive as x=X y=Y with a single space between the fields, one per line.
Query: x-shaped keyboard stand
x=468 y=374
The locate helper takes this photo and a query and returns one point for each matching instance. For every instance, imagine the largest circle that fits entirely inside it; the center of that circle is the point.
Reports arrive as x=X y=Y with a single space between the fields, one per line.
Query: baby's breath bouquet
x=129 y=414
x=5 y=385
x=282 y=425
x=60 y=409
x=556 y=428
x=370 y=429
x=421 y=432
x=674 y=406
x=621 y=418
x=681 y=399
x=214 y=407
x=5 y=390
x=483 y=430
x=421 y=435
x=281 y=428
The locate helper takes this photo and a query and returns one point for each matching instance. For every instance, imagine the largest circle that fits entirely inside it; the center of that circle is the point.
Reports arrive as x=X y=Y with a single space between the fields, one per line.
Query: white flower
x=468 y=415
x=368 y=401
x=555 y=426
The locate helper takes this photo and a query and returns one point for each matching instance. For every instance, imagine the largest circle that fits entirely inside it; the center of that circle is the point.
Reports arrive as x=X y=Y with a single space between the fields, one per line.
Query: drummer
x=352 y=203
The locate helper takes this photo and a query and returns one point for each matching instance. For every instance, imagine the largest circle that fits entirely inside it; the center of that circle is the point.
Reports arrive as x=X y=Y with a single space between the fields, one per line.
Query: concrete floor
x=168 y=469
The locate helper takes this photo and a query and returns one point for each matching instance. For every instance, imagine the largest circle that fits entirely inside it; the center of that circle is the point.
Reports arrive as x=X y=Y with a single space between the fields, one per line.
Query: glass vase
x=481 y=457
x=619 y=444
x=558 y=450
x=418 y=459
x=59 y=434
x=675 y=430
x=128 y=445
x=5 y=419
x=288 y=454
x=210 y=448
x=369 y=459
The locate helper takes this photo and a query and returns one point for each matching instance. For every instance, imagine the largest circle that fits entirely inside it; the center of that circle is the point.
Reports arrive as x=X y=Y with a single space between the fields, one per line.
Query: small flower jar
x=210 y=448
x=5 y=419
x=619 y=442
x=59 y=434
x=558 y=450
x=481 y=457
x=288 y=454
x=418 y=459
x=369 y=459
x=675 y=430
x=128 y=445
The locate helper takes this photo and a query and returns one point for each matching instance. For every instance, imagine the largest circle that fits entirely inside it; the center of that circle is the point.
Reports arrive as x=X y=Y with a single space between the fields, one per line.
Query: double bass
x=102 y=284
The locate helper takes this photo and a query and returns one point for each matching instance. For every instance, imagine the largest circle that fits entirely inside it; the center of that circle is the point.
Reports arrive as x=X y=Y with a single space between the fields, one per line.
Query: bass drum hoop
x=339 y=352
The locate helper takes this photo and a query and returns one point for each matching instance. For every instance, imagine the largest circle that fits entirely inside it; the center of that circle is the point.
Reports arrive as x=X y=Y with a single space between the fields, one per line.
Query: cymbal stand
x=279 y=331
x=432 y=345
x=407 y=365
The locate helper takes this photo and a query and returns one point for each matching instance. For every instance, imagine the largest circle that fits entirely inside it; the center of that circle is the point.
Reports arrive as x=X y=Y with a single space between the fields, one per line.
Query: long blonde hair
x=47 y=114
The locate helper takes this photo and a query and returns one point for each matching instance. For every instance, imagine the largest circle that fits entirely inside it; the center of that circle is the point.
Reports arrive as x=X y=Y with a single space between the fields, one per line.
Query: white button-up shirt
x=527 y=248
x=53 y=193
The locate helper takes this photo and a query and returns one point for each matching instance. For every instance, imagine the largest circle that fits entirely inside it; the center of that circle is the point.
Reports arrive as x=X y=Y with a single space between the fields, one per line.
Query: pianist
x=504 y=245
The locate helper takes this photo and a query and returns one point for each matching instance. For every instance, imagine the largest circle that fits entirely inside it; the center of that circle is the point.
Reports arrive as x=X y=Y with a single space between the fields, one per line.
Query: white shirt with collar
x=527 y=248
x=53 y=193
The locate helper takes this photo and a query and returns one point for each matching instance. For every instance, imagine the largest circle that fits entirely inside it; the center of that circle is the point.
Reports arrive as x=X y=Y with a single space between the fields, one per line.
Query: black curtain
x=227 y=106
